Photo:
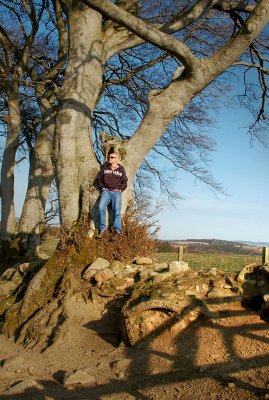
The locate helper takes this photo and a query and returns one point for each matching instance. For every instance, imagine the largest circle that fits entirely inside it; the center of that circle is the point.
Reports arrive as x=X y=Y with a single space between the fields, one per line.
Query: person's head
x=113 y=158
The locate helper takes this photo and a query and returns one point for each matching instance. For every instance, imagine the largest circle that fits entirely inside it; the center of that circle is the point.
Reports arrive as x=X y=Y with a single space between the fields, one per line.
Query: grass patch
x=224 y=262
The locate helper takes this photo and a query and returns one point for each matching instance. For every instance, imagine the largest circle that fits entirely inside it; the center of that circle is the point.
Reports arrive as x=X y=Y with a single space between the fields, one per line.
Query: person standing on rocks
x=112 y=180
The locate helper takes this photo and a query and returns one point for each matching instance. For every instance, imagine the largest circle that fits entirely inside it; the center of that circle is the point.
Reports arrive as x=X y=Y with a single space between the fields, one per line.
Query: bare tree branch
x=144 y=31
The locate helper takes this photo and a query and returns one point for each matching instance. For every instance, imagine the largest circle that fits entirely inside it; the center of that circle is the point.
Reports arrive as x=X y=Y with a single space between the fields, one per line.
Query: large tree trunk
x=40 y=177
x=8 y=220
x=76 y=163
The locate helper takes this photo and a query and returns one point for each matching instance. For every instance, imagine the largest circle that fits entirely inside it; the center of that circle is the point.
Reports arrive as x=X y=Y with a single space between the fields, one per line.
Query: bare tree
x=44 y=73
x=196 y=29
x=39 y=71
x=12 y=68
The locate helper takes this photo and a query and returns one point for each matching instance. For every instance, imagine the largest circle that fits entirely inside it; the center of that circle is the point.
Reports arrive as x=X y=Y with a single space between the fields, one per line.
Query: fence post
x=265 y=255
x=180 y=253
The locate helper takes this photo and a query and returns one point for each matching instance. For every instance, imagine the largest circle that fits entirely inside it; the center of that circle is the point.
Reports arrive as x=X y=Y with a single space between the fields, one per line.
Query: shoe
x=100 y=235
x=115 y=236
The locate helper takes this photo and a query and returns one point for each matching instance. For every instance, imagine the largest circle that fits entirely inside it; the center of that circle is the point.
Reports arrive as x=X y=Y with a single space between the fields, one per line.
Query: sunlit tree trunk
x=76 y=163
x=8 y=219
x=40 y=177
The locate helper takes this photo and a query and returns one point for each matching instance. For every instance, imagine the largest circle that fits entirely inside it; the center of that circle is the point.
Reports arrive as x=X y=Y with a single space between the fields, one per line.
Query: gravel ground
x=220 y=358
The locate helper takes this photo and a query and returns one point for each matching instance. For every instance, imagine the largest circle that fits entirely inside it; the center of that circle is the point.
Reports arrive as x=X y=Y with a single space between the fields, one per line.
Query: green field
x=224 y=262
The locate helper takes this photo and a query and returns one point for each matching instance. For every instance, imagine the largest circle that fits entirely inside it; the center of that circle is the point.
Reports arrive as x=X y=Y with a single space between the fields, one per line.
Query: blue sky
x=243 y=170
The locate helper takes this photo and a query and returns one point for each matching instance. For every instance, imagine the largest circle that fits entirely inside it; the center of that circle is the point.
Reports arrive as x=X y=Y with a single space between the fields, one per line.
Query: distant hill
x=258 y=244
x=219 y=246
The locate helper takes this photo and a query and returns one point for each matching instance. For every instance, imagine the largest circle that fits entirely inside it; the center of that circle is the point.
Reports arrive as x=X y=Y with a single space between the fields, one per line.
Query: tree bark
x=76 y=163
x=8 y=218
x=40 y=177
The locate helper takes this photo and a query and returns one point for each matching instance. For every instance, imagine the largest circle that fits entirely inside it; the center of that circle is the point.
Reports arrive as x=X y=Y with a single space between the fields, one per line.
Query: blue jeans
x=115 y=199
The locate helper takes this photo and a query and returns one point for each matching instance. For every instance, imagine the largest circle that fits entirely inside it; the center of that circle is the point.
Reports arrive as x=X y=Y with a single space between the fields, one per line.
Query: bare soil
x=222 y=357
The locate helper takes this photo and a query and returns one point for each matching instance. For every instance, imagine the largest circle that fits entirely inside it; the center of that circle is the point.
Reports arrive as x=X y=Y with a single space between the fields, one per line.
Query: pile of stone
x=115 y=277
x=254 y=283
x=160 y=294
x=171 y=295
x=156 y=295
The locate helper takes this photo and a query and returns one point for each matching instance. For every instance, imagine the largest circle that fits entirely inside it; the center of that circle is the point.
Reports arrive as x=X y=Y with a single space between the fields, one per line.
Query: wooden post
x=265 y=255
x=180 y=253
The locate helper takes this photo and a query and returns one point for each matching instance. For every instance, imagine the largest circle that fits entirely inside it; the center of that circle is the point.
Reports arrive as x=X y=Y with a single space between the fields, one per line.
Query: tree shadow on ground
x=147 y=378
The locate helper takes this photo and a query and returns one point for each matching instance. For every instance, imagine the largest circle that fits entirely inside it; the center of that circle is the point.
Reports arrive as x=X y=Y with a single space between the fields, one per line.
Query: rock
x=116 y=285
x=248 y=269
x=177 y=267
x=143 y=261
x=220 y=294
x=145 y=274
x=127 y=273
x=22 y=386
x=124 y=283
x=89 y=274
x=117 y=266
x=78 y=376
x=99 y=264
x=26 y=267
x=103 y=275
x=162 y=277
x=212 y=272
x=13 y=362
x=202 y=288
x=161 y=267
x=121 y=366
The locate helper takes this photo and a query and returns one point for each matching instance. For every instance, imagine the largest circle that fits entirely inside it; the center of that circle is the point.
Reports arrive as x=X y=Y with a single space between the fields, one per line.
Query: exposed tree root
x=39 y=316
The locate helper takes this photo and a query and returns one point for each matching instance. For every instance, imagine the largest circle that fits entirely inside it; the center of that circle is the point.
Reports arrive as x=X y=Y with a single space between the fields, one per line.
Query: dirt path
x=226 y=357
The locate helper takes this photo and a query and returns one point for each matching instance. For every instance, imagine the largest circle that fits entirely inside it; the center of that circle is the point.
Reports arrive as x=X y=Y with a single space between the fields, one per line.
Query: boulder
x=23 y=386
x=162 y=277
x=143 y=261
x=248 y=269
x=177 y=267
x=103 y=275
x=99 y=264
x=161 y=267
x=255 y=288
x=78 y=376
x=13 y=363
x=89 y=274
x=117 y=266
